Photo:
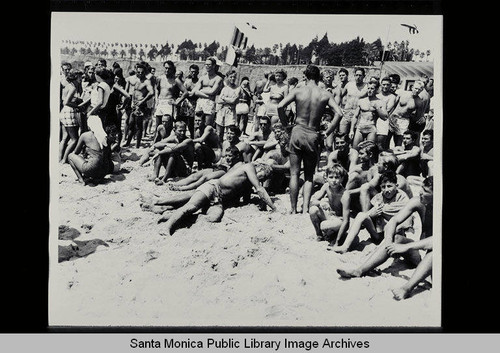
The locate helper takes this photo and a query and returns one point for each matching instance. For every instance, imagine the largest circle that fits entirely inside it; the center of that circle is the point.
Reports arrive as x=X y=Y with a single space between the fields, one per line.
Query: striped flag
x=236 y=45
x=239 y=40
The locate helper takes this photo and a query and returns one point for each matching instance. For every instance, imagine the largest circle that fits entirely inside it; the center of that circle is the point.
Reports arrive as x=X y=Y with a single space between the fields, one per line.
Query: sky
x=271 y=28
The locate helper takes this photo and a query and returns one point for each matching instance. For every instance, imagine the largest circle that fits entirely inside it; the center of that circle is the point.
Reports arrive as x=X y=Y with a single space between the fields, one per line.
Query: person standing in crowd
x=243 y=106
x=143 y=90
x=207 y=88
x=311 y=102
x=187 y=107
x=69 y=116
x=277 y=92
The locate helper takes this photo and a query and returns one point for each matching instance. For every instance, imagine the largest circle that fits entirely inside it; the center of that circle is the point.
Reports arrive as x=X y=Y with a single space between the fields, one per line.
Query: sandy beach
x=112 y=267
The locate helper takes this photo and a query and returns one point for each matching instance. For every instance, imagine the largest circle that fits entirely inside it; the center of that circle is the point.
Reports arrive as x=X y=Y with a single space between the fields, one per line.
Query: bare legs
x=378 y=257
x=65 y=146
x=324 y=227
x=195 y=203
x=423 y=270
x=362 y=219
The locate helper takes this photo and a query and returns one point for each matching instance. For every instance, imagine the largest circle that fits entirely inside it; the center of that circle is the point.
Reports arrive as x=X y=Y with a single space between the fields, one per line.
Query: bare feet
x=165 y=216
x=158 y=181
x=339 y=249
x=155 y=208
x=400 y=293
x=349 y=273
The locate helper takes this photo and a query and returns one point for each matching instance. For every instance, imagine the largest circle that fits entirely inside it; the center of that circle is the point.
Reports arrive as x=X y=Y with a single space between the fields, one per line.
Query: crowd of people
x=354 y=151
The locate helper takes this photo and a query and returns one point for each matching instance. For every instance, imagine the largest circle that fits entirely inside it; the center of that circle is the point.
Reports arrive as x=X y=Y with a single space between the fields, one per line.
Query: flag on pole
x=239 y=40
x=237 y=43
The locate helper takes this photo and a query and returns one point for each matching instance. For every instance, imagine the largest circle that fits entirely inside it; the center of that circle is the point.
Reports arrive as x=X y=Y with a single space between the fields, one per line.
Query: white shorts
x=382 y=127
x=225 y=116
x=207 y=106
x=242 y=108
x=165 y=107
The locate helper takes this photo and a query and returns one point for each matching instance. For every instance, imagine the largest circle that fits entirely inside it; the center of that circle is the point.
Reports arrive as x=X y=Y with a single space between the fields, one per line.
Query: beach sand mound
x=254 y=268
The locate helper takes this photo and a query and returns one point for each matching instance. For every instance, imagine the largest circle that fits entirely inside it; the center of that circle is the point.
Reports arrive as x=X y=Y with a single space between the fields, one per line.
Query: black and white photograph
x=245 y=170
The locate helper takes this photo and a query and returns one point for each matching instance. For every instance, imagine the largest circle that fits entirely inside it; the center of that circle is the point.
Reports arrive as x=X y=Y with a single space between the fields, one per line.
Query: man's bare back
x=311 y=102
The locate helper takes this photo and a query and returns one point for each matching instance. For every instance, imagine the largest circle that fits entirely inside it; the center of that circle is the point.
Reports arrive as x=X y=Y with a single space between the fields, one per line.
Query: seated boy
x=325 y=226
x=388 y=202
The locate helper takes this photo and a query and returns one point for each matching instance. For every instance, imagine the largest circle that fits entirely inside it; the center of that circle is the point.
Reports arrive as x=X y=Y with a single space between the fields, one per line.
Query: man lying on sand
x=216 y=194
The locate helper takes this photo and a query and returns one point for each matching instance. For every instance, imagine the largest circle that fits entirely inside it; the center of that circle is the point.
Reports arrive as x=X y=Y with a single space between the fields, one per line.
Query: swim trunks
x=211 y=190
x=366 y=128
x=69 y=116
x=304 y=140
x=165 y=106
x=207 y=106
x=242 y=108
x=97 y=164
x=345 y=122
x=139 y=110
x=225 y=116
x=382 y=127
x=271 y=109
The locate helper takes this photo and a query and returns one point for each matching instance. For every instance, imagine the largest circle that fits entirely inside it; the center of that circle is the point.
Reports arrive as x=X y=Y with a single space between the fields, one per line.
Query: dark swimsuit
x=98 y=163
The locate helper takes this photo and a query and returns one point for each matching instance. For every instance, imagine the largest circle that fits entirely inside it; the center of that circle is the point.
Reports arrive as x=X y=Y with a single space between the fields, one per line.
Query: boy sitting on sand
x=388 y=202
x=392 y=244
x=325 y=226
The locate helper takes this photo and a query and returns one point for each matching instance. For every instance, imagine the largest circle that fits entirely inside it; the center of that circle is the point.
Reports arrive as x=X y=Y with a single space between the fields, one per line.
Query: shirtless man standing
x=143 y=90
x=311 y=102
x=389 y=98
x=207 y=88
x=405 y=106
x=355 y=90
x=168 y=90
x=369 y=110
x=186 y=111
x=130 y=82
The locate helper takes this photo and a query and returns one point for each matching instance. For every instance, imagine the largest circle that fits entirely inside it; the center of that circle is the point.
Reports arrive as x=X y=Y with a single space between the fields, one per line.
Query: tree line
x=355 y=52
